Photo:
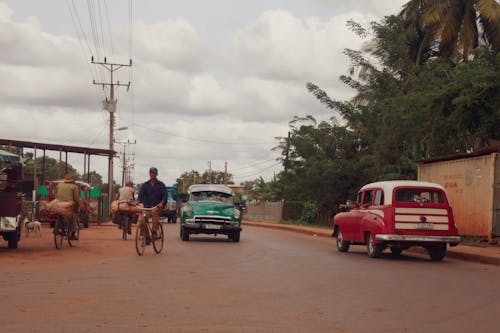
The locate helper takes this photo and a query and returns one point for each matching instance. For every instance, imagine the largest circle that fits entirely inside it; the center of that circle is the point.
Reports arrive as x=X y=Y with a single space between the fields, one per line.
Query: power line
x=258 y=172
x=165 y=132
x=254 y=164
x=109 y=28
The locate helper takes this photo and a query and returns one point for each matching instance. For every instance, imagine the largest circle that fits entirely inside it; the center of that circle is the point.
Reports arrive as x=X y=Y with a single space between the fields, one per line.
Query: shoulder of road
x=487 y=254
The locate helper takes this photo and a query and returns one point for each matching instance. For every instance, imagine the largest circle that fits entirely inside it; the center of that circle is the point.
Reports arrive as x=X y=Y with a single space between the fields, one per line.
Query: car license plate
x=212 y=226
x=425 y=226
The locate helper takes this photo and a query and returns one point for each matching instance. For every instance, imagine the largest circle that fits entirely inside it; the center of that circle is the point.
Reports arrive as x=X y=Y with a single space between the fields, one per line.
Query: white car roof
x=388 y=186
x=210 y=187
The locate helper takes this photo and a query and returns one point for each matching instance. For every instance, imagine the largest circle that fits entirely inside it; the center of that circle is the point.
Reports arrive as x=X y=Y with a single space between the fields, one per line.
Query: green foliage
x=309 y=213
x=413 y=101
x=189 y=178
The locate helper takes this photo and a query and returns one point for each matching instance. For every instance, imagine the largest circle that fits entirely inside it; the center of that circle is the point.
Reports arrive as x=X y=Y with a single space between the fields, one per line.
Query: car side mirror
x=348 y=205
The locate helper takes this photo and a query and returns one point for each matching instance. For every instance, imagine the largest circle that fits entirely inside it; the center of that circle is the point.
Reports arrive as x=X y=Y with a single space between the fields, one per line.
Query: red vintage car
x=398 y=215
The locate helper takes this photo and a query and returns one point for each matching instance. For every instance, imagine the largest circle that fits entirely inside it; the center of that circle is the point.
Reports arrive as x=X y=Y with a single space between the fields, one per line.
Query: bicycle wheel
x=73 y=232
x=58 y=231
x=125 y=226
x=158 y=240
x=141 y=238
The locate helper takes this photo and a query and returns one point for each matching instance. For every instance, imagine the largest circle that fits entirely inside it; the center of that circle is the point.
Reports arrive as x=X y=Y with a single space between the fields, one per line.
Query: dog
x=32 y=227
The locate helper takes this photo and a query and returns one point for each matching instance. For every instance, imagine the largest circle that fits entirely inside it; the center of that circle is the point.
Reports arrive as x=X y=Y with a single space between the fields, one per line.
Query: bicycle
x=125 y=219
x=63 y=229
x=143 y=233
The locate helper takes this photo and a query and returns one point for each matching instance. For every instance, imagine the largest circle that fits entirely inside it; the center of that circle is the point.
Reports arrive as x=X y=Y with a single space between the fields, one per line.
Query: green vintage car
x=210 y=210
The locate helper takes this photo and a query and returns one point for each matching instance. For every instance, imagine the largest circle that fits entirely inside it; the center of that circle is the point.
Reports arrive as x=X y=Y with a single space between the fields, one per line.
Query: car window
x=379 y=198
x=367 y=198
x=419 y=195
x=211 y=196
x=358 y=198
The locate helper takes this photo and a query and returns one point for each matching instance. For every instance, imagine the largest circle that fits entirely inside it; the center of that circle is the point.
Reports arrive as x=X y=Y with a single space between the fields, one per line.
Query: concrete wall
x=265 y=211
x=470 y=185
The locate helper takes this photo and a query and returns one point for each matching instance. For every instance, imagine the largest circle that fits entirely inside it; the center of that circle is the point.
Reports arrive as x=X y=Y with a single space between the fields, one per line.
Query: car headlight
x=237 y=214
x=188 y=212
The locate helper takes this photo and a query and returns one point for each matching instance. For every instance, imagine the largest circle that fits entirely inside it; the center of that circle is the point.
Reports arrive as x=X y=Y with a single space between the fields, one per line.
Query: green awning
x=42 y=190
x=95 y=192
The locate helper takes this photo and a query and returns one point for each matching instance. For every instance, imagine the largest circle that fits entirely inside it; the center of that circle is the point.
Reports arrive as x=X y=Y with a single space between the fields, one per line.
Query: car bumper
x=453 y=240
x=210 y=228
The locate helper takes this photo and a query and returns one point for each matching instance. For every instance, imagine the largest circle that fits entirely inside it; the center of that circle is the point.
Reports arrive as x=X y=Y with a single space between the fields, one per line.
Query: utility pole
x=225 y=173
x=110 y=106
x=125 y=174
x=210 y=172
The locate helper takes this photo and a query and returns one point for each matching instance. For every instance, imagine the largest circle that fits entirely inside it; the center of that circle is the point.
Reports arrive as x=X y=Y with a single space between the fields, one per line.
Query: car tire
x=235 y=236
x=13 y=239
x=374 y=250
x=437 y=252
x=184 y=234
x=342 y=245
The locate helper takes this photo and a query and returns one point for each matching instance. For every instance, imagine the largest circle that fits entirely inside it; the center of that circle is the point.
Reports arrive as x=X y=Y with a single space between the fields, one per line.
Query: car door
x=351 y=225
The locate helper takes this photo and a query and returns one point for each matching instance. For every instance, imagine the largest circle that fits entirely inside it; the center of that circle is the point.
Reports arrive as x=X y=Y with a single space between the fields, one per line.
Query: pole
x=110 y=106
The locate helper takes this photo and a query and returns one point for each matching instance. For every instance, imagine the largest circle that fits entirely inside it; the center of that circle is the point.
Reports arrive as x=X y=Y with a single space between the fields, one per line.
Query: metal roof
x=485 y=151
x=57 y=147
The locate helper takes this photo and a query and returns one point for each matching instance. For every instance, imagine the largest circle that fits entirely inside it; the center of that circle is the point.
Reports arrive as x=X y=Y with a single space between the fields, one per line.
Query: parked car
x=170 y=209
x=11 y=197
x=210 y=210
x=398 y=215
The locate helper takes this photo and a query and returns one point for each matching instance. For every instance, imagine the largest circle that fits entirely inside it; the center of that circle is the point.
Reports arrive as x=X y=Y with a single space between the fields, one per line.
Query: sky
x=211 y=82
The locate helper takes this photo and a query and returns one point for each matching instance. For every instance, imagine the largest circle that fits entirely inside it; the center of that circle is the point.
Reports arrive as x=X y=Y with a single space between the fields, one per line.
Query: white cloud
x=195 y=97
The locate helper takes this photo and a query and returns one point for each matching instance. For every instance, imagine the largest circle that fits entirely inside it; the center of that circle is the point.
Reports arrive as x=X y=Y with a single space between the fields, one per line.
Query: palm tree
x=454 y=27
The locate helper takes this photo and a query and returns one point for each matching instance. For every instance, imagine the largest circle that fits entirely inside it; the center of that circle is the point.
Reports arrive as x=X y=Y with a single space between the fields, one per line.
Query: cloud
x=192 y=100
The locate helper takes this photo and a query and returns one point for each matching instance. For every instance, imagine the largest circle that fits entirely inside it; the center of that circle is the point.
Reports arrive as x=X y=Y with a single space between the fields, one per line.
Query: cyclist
x=68 y=191
x=153 y=193
x=126 y=192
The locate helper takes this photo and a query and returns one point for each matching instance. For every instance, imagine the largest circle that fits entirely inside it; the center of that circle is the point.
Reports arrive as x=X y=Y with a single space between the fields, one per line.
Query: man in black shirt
x=153 y=193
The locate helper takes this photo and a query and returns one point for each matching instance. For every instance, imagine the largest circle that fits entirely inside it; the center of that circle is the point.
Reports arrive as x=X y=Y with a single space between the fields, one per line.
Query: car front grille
x=212 y=219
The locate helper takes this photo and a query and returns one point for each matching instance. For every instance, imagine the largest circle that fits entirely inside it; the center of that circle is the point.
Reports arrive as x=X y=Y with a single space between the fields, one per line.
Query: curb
x=451 y=253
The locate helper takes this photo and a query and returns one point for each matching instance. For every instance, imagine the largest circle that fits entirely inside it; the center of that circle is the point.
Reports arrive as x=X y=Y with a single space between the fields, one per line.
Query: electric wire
x=257 y=173
x=254 y=164
x=109 y=27
x=165 y=132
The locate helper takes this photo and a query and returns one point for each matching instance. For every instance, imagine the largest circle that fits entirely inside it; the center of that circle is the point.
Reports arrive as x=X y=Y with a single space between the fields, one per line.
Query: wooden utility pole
x=125 y=174
x=225 y=173
x=110 y=106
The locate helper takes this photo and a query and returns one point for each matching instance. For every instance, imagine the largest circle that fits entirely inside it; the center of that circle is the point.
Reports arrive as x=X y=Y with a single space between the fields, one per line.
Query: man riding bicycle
x=68 y=191
x=153 y=193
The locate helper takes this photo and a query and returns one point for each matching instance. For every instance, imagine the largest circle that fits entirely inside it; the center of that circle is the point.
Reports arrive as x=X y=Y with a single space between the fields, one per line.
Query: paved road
x=272 y=281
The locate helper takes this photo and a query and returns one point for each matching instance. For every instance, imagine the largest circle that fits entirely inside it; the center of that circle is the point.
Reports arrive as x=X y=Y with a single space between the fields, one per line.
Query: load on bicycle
x=65 y=207
x=125 y=209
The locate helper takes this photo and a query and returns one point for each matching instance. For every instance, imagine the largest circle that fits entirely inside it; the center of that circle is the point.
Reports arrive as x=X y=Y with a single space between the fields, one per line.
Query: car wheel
x=374 y=250
x=12 y=240
x=342 y=245
x=235 y=236
x=396 y=250
x=437 y=252
x=184 y=234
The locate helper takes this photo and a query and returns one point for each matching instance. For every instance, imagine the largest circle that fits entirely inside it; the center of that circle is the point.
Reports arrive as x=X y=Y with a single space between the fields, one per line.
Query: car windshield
x=211 y=196
x=420 y=195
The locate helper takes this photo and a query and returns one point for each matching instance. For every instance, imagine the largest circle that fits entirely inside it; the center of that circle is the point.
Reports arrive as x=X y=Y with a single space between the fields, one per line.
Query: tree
x=186 y=179
x=454 y=27
x=95 y=179
x=52 y=168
